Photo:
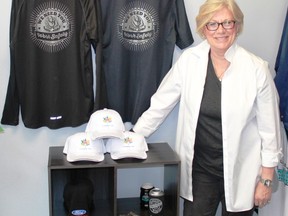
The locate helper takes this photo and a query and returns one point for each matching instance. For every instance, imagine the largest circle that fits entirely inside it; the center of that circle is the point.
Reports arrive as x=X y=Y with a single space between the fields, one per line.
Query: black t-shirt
x=139 y=38
x=51 y=77
x=208 y=154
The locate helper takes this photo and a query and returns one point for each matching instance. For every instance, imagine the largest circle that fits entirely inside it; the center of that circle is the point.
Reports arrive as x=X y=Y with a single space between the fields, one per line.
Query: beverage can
x=156 y=202
x=144 y=194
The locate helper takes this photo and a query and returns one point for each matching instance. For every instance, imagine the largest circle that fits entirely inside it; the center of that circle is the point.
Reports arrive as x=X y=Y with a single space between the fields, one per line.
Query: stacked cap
x=105 y=123
x=132 y=145
x=81 y=147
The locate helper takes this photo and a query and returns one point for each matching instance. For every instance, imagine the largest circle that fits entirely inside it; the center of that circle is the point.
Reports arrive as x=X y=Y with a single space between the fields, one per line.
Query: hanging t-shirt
x=281 y=78
x=51 y=77
x=139 y=38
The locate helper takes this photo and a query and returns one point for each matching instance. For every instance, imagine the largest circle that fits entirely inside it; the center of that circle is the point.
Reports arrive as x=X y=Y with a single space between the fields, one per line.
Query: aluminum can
x=144 y=194
x=156 y=202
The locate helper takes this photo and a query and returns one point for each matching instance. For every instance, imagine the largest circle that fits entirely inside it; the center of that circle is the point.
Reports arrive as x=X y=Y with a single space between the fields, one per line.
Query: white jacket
x=250 y=119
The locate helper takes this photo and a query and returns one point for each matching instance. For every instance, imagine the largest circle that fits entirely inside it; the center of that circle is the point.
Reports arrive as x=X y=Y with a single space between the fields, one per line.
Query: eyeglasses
x=227 y=24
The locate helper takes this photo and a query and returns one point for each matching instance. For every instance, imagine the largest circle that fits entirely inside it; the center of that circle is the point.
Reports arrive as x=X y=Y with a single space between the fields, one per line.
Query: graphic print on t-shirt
x=51 y=26
x=137 y=26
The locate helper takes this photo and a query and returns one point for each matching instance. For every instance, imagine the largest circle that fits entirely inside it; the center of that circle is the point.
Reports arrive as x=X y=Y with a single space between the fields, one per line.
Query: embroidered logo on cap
x=85 y=142
x=107 y=119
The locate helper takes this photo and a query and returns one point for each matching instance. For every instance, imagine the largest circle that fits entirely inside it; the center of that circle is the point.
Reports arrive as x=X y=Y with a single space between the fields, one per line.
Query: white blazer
x=250 y=119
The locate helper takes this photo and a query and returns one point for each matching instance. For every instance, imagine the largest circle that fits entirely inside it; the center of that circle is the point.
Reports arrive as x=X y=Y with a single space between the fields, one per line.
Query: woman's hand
x=263 y=191
x=262 y=195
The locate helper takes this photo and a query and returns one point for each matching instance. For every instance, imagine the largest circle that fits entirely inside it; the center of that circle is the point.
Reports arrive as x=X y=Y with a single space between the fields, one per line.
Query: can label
x=144 y=194
x=156 y=202
x=155 y=205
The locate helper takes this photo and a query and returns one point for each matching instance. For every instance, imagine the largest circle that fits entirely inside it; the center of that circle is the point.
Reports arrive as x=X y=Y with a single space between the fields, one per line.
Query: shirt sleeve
x=11 y=107
x=268 y=118
x=184 y=34
x=162 y=102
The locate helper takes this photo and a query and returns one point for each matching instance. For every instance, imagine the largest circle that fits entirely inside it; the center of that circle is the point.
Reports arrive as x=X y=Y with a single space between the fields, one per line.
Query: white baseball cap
x=105 y=123
x=81 y=147
x=132 y=145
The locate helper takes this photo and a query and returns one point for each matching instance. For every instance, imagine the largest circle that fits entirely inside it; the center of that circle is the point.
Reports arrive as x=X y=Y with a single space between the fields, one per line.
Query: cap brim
x=137 y=155
x=95 y=157
x=107 y=134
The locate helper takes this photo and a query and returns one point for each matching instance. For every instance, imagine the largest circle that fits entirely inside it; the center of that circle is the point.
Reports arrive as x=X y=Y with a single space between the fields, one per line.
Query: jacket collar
x=230 y=53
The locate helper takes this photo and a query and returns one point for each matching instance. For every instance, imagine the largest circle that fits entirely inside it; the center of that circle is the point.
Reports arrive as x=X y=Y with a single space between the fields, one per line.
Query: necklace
x=220 y=66
x=220 y=69
x=220 y=76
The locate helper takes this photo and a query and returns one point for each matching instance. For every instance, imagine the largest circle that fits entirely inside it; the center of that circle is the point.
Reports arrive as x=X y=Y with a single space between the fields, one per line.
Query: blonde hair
x=210 y=7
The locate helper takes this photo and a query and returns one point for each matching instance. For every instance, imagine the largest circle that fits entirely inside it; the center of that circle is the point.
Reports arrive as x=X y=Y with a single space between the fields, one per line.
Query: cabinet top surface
x=159 y=153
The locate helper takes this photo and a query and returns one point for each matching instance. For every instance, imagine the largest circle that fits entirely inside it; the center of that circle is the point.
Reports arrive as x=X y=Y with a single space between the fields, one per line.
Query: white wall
x=24 y=152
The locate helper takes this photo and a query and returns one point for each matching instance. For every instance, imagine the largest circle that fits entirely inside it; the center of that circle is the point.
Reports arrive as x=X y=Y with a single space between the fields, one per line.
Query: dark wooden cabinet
x=104 y=177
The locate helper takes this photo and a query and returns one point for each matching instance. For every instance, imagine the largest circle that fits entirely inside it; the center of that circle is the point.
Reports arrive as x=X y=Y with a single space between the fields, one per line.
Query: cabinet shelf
x=104 y=177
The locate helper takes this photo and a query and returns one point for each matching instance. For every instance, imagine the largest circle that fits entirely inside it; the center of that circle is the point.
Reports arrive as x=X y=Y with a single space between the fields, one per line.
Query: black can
x=156 y=202
x=144 y=194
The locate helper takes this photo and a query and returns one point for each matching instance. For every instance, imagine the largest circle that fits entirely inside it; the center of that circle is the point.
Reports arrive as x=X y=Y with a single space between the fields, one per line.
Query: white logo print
x=51 y=26
x=137 y=26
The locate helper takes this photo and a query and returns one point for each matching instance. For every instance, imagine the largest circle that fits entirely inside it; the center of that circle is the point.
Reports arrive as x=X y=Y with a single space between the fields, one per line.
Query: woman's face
x=221 y=39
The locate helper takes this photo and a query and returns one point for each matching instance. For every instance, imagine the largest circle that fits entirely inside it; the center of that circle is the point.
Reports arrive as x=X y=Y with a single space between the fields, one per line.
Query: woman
x=228 y=135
